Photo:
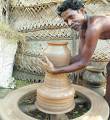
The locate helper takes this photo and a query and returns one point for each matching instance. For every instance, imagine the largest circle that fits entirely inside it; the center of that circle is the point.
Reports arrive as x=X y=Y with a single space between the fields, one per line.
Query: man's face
x=73 y=18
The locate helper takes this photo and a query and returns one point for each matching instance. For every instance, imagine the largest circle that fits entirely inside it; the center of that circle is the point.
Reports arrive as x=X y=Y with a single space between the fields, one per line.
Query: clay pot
x=58 y=53
x=56 y=94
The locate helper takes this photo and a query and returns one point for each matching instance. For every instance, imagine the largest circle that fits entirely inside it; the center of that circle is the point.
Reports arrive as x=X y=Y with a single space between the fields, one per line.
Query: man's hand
x=48 y=66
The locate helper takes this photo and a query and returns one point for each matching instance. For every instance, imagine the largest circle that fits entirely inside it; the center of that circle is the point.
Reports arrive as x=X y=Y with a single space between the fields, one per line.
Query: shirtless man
x=90 y=28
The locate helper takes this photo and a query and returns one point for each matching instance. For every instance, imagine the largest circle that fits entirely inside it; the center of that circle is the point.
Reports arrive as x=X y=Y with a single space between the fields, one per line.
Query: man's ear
x=82 y=10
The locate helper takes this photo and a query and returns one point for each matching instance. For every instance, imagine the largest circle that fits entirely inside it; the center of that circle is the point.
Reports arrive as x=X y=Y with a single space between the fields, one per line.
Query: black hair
x=70 y=4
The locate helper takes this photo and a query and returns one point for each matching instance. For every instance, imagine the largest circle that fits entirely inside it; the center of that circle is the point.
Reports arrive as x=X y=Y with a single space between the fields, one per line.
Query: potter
x=91 y=29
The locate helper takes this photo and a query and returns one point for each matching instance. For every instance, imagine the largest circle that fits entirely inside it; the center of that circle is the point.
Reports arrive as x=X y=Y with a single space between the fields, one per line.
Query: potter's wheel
x=10 y=110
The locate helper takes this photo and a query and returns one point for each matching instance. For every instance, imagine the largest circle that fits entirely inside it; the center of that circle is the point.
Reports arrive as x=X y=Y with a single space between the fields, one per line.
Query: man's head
x=72 y=11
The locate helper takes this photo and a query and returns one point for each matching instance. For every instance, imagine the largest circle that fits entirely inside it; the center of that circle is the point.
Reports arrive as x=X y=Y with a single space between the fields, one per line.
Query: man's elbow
x=84 y=63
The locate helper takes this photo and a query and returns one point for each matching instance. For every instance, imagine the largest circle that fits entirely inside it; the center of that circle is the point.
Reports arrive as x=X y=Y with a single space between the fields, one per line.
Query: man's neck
x=85 y=23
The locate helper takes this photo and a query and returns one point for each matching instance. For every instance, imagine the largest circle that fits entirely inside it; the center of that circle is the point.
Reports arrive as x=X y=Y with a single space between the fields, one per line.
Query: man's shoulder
x=94 y=24
x=91 y=23
x=96 y=21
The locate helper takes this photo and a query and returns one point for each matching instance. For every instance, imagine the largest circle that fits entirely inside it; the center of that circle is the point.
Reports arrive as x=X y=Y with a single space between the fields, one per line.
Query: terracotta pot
x=58 y=53
x=56 y=95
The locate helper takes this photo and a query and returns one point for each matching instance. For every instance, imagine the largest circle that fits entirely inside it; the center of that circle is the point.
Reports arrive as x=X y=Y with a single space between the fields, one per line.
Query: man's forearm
x=75 y=59
x=72 y=68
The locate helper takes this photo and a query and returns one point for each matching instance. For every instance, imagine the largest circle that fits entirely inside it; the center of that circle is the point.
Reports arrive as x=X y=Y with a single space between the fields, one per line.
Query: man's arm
x=91 y=38
x=81 y=45
x=74 y=59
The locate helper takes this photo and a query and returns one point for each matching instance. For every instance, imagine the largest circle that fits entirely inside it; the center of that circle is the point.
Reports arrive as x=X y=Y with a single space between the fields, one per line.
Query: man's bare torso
x=102 y=24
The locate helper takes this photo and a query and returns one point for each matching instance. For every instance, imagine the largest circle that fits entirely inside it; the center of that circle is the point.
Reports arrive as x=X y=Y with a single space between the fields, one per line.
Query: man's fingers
x=48 y=61
x=42 y=62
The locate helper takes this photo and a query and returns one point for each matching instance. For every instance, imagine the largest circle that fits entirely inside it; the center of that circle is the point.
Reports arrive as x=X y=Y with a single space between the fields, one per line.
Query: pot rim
x=57 y=43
